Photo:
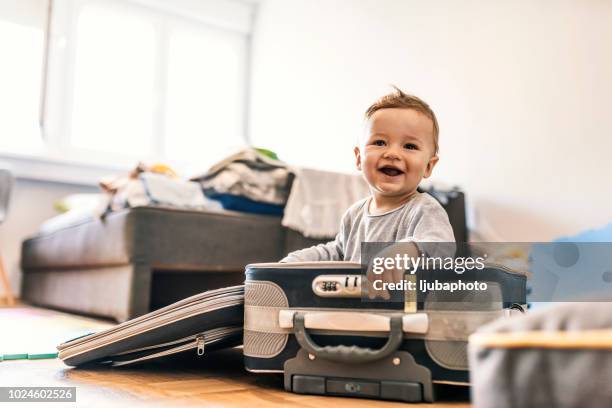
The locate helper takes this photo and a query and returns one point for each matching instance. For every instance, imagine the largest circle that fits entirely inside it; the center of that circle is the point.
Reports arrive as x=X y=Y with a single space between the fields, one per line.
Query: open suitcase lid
x=186 y=319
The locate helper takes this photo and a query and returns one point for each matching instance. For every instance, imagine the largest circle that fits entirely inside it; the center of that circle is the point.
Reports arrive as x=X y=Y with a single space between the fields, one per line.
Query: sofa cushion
x=161 y=237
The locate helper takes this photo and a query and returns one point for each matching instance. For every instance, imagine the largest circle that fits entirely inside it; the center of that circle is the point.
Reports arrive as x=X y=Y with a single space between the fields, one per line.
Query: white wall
x=521 y=90
x=31 y=204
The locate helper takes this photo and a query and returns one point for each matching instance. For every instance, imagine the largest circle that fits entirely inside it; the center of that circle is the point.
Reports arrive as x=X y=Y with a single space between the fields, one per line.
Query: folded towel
x=248 y=173
x=318 y=199
x=153 y=189
x=159 y=189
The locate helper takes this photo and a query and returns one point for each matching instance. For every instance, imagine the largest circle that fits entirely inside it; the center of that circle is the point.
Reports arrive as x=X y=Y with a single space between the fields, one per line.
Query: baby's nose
x=391 y=153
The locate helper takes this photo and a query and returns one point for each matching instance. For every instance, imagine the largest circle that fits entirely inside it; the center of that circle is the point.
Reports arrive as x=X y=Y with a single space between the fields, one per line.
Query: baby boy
x=399 y=149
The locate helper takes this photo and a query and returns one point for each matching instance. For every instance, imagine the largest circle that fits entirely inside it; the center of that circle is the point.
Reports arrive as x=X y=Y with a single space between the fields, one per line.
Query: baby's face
x=397 y=153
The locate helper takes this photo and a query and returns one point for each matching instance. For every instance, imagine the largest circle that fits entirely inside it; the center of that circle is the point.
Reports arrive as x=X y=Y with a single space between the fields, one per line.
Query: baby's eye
x=411 y=146
x=378 y=142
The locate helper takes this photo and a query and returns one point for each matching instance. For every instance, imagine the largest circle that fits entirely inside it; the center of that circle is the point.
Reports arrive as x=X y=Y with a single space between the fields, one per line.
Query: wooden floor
x=215 y=380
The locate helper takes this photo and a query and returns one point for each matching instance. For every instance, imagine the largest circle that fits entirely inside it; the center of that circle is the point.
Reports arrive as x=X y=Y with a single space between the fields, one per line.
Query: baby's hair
x=399 y=99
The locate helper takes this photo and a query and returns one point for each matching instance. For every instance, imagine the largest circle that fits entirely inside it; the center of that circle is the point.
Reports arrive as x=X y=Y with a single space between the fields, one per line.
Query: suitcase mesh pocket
x=264 y=294
x=448 y=354
x=455 y=327
x=263 y=343
x=258 y=344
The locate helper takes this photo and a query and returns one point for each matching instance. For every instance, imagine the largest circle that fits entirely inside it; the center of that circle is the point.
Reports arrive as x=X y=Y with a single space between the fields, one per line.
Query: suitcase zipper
x=197 y=342
x=184 y=347
x=200 y=344
x=79 y=345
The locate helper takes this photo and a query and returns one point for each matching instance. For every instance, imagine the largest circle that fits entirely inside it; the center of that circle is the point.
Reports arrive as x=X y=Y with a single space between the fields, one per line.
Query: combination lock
x=337 y=285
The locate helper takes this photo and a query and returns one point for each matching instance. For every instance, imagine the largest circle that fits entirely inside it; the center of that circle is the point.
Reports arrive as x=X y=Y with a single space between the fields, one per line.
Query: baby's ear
x=357 y=157
x=430 y=165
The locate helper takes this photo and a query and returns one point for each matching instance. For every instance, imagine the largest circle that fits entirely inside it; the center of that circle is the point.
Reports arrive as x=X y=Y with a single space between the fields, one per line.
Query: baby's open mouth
x=391 y=171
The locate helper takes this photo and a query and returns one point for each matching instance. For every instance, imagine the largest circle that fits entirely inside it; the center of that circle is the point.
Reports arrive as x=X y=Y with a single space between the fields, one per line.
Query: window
x=129 y=80
x=155 y=86
x=21 y=50
x=204 y=93
x=114 y=80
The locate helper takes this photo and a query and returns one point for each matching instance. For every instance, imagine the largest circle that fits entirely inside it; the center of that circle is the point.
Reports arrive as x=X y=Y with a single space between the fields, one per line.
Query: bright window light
x=114 y=100
x=21 y=50
x=127 y=80
x=205 y=94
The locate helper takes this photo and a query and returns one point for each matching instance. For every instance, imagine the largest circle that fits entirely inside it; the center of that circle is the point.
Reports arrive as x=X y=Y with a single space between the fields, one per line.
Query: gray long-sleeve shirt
x=421 y=219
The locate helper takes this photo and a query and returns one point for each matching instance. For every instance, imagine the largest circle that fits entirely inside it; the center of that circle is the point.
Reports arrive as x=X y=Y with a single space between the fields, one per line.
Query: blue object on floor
x=238 y=203
x=573 y=268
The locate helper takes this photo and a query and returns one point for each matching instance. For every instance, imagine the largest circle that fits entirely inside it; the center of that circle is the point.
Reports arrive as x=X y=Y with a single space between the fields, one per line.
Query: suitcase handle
x=348 y=354
x=415 y=323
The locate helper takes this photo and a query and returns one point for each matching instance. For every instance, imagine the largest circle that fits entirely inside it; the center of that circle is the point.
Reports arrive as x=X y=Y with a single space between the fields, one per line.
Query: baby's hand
x=377 y=282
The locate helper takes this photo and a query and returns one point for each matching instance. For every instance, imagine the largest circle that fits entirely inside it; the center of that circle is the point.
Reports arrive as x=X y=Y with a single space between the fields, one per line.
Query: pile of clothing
x=153 y=185
x=145 y=185
x=311 y=201
x=251 y=180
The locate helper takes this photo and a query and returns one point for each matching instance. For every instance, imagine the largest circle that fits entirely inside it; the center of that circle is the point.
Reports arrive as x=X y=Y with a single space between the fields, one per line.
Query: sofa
x=137 y=260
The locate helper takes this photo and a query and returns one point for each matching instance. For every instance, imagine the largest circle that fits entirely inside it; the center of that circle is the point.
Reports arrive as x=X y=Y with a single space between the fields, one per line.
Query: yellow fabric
x=589 y=339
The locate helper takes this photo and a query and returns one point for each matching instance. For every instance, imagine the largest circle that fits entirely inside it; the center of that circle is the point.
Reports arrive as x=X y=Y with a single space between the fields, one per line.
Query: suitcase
x=310 y=321
x=203 y=322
